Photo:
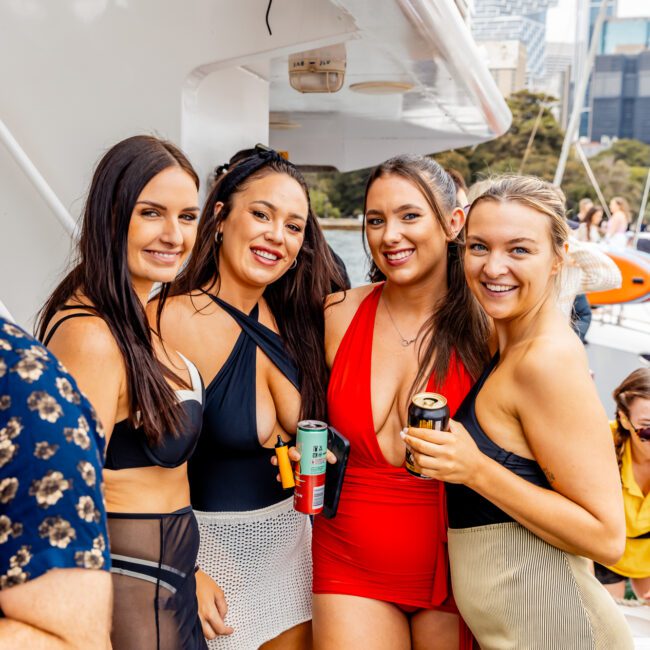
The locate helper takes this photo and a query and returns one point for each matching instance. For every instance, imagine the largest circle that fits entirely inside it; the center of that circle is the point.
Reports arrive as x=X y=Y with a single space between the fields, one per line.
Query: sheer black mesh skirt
x=153 y=558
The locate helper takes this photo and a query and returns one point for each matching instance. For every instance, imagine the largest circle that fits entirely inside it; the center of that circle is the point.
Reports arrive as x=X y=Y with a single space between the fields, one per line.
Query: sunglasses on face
x=643 y=433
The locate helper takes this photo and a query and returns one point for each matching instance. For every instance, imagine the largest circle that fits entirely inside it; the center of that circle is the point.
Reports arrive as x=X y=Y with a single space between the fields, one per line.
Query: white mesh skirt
x=262 y=561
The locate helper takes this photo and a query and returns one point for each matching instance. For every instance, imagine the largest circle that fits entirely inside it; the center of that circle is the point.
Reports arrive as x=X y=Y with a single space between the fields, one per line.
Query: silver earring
x=218 y=237
x=294 y=264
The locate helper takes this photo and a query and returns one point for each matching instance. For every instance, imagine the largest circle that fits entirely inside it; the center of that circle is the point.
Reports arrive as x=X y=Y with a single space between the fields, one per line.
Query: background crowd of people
x=594 y=226
x=202 y=335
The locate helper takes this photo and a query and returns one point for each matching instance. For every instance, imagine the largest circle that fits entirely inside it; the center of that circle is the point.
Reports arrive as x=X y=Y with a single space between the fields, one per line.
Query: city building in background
x=587 y=12
x=514 y=20
x=620 y=102
x=556 y=81
x=619 y=88
x=507 y=63
x=625 y=36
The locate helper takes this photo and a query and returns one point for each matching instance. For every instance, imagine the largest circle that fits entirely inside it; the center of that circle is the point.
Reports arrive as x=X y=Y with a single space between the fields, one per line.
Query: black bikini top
x=465 y=507
x=128 y=447
x=231 y=470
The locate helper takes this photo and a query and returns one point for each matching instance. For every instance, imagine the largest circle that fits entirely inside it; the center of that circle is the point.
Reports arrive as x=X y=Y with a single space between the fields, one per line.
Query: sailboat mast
x=579 y=98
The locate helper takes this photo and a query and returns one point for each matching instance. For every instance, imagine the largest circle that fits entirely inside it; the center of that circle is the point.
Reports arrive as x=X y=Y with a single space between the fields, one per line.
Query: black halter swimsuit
x=230 y=470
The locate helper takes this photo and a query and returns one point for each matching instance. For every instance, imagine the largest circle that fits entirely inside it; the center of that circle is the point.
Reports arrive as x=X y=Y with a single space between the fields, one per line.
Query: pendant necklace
x=405 y=342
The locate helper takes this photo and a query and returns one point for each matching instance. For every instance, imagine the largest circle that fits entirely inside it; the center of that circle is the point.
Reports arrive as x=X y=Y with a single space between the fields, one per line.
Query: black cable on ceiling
x=268 y=10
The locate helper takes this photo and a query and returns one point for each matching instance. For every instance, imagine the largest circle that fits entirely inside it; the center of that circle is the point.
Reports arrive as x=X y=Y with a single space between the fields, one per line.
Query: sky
x=560 y=23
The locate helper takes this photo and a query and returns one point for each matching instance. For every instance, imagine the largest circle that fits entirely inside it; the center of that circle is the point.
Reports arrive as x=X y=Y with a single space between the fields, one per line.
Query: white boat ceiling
x=79 y=75
x=453 y=103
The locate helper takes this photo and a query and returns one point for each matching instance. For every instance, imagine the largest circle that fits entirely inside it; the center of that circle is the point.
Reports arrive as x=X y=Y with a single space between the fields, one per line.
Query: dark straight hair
x=296 y=299
x=101 y=275
x=457 y=322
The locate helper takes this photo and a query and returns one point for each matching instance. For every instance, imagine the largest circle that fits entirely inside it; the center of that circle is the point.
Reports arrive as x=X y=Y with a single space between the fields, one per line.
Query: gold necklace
x=405 y=342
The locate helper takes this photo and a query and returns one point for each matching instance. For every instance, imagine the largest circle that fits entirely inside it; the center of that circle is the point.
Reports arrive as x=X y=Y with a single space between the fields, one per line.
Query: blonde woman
x=617 y=225
x=532 y=483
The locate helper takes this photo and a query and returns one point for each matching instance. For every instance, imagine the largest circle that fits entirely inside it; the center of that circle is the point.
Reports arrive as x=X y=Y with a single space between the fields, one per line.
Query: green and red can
x=309 y=493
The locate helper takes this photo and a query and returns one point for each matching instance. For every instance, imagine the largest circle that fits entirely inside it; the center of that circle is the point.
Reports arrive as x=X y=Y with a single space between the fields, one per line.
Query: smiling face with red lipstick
x=263 y=232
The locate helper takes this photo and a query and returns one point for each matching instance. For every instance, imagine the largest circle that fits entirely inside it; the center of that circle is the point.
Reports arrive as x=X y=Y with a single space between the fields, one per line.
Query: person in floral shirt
x=52 y=517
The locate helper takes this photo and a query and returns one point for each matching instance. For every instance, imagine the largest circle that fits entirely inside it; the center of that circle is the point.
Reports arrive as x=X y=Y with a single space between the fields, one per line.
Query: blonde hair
x=477 y=189
x=534 y=193
x=585 y=204
x=623 y=206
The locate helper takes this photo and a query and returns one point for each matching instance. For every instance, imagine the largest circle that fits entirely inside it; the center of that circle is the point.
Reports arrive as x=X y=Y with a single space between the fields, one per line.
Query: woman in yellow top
x=632 y=440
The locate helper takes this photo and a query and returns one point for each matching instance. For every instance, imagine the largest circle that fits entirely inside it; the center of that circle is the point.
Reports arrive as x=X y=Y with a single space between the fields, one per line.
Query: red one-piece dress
x=388 y=539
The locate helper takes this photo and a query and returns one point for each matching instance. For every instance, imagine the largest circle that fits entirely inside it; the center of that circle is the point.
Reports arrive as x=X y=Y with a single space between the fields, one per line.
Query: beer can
x=309 y=493
x=426 y=411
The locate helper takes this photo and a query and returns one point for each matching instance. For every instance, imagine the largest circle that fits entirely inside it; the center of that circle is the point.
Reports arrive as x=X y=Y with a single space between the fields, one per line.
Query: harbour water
x=348 y=245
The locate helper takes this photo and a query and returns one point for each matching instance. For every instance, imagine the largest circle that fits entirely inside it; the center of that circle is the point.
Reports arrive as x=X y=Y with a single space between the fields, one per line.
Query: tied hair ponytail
x=636 y=385
x=102 y=276
x=457 y=325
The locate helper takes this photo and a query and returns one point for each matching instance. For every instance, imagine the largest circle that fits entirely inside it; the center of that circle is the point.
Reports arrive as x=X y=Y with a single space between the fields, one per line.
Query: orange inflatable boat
x=635 y=269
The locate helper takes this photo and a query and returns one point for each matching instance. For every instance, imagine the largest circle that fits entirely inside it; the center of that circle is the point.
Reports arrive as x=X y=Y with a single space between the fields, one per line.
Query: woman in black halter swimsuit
x=248 y=310
x=532 y=477
x=139 y=225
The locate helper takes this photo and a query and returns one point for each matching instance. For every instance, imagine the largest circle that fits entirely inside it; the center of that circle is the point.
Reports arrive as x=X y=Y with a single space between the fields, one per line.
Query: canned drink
x=426 y=411
x=309 y=493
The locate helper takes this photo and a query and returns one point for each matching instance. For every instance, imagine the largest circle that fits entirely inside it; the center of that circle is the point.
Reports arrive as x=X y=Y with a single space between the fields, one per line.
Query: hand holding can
x=426 y=411
x=309 y=493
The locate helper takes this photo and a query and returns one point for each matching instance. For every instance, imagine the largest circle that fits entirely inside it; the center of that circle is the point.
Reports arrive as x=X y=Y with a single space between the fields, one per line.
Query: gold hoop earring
x=294 y=264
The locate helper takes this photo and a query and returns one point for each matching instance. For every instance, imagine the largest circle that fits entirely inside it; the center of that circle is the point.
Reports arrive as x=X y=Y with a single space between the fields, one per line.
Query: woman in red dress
x=380 y=566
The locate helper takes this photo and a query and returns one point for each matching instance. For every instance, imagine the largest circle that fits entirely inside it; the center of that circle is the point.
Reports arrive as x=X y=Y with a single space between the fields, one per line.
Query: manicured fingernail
x=402 y=433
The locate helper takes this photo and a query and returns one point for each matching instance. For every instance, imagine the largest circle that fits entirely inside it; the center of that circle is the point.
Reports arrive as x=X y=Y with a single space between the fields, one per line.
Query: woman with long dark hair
x=532 y=486
x=380 y=566
x=589 y=229
x=248 y=309
x=139 y=225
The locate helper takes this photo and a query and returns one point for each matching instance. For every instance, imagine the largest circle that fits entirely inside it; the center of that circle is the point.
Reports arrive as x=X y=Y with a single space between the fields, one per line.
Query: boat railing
x=631 y=316
x=36 y=178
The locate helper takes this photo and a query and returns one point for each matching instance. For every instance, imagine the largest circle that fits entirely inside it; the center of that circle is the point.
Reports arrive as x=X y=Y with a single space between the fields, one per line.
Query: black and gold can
x=426 y=411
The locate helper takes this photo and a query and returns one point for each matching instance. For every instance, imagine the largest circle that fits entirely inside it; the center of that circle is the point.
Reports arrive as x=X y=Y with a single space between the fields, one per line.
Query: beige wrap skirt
x=517 y=592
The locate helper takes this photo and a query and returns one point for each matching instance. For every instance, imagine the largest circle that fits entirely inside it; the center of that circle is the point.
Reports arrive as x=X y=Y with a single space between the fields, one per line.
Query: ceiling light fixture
x=382 y=87
x=318 y=71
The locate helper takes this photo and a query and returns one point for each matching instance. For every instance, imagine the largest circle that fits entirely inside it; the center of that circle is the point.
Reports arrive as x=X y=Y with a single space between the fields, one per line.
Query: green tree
x=454 y=160
x=620 y=170
x=347 y=191
x=632 y=152
x=505 y=154
x=321 y=204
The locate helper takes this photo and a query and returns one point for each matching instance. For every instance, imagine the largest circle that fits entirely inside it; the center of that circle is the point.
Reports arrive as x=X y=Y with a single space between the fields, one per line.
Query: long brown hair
x=295 y=299
x=457 y=322
x=635 y=385
x=102 y=275
x=589 y=217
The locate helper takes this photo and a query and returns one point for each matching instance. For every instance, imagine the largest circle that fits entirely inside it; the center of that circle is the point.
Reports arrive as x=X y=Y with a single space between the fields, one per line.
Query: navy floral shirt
x=51 y=450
